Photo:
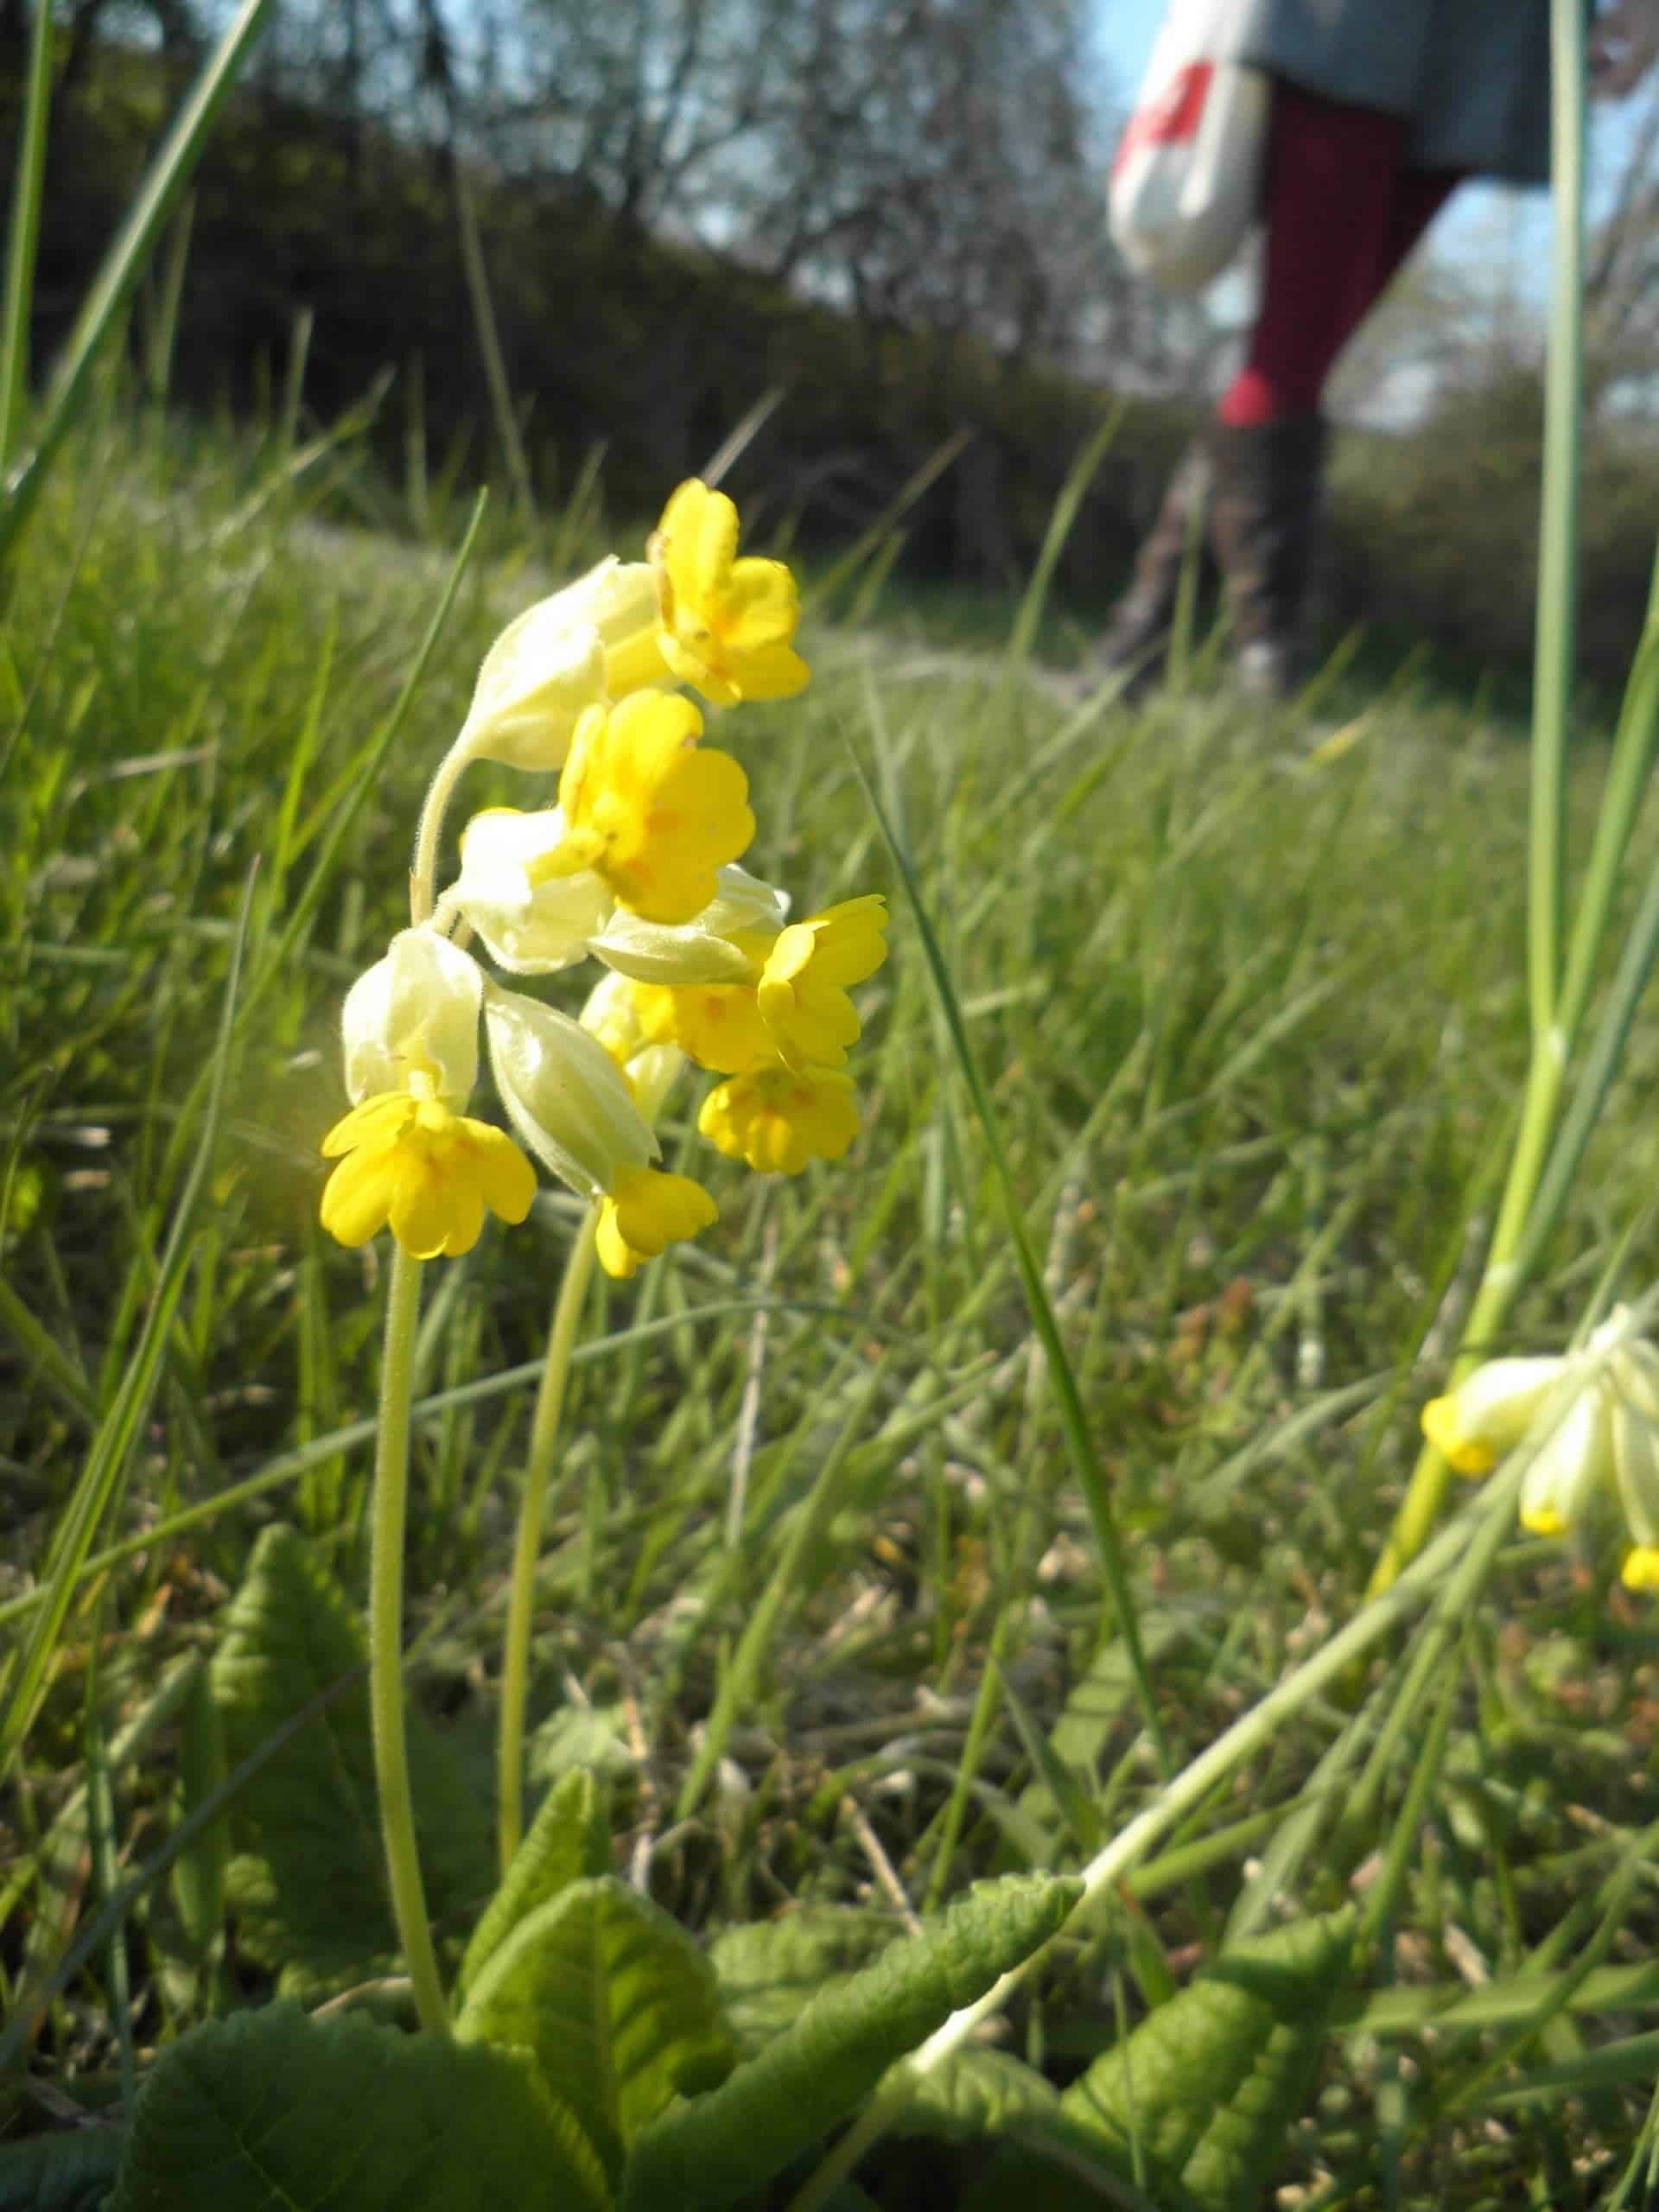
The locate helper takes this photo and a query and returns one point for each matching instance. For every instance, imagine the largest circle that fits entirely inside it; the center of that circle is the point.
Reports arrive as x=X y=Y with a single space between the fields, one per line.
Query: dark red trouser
x=1342 y=213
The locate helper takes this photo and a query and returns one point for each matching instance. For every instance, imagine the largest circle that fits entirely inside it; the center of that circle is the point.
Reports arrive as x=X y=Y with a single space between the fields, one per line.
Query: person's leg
x=1341 y=212
x=1334 y=224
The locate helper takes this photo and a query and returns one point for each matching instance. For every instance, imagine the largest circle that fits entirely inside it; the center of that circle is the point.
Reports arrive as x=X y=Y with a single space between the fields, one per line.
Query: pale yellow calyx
x=777 y=1120
x=411 y=1164
x=651 y=811
x=647 y=1211
x=725 y=624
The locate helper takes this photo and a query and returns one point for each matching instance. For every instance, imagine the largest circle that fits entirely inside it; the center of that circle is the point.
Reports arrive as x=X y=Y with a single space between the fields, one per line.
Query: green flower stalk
x=387 y=1642
x=527 y=1543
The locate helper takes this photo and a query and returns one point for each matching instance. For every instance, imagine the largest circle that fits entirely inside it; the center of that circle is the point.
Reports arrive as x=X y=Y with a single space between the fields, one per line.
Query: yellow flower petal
x=725 y=624
x=802 y=991
x=647 y=1210
x=719 y=1025
x=779 y=1120
x=651 y=811
x=428 y=1174
x=377 y=1120
x=1640 y=1570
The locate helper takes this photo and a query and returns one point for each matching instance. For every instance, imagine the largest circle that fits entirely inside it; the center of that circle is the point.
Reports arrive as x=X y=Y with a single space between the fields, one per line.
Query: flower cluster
x=1600 y=1452
x=635 y=864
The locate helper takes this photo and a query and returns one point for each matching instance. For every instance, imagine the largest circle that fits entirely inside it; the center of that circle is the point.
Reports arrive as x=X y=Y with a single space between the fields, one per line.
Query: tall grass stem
x=23 y=237
x=1074 y=1421
x=1552 y=698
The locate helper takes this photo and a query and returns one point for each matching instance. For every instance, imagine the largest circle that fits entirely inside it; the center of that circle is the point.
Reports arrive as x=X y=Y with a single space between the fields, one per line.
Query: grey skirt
x=1472 y=75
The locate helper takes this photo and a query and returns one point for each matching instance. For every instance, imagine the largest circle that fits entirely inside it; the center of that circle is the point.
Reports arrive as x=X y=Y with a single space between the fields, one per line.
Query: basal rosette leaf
x=306 y=1885
x=1207 y=2086
x=718 y=2148
x=567 y=1841
x=614 y=2002
x=271 y=2111
x=72 y=2171
x=768 y=1969
x=977 y=2094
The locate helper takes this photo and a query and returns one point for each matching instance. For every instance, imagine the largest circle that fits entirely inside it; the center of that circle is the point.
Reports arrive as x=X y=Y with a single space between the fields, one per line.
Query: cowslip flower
x=596 y=639
x=610 y=1015
x=647 y=1210
x=803 y=988
x=578 y=1113
x=1602 y=1452
x=648 y=810
x=777 y=1120
x=725 y=624
x=790 y=1008
x=408 y=1163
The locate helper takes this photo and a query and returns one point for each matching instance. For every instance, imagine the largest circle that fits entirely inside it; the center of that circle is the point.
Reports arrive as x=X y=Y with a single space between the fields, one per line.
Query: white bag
x=1187 y=176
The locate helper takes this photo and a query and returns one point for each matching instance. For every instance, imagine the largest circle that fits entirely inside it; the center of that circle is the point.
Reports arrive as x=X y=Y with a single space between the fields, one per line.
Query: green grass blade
x=24 y=237
x=1079 y=477
x=118 y=1432
x=123 y=264
x=1559 y=519
x=1062 y=1382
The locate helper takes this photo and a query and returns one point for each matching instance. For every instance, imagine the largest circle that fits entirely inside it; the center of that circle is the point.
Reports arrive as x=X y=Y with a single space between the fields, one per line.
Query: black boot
x=1139 y=628
x=1264 y=511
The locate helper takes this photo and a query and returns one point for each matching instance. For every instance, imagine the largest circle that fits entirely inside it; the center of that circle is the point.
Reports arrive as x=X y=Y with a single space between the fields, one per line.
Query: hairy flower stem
x=423 y=875
x=386 y=1640
x=527 y=1547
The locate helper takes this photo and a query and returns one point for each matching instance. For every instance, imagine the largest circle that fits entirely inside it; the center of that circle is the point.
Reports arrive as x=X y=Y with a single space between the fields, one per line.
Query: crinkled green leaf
x=1207 y=2085
x=70 y=2172
x=974 y=2093
x=307 y=1885
x=614 y=2001
x=767 y=1969
x=272 y=2112
x=568 y=1840
x=719 y=2147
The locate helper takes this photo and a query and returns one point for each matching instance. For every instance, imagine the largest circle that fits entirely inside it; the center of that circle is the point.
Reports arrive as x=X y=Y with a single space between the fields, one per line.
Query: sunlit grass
x=1247 y=997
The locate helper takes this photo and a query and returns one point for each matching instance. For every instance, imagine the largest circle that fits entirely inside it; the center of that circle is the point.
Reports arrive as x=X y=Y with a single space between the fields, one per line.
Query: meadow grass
x=819 y=1587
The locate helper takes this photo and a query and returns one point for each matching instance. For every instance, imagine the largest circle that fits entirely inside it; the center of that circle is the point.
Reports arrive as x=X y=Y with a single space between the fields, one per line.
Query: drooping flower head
x=1600 y=1455
x=636 y=863
x=726 y=624
x=779 y=1120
